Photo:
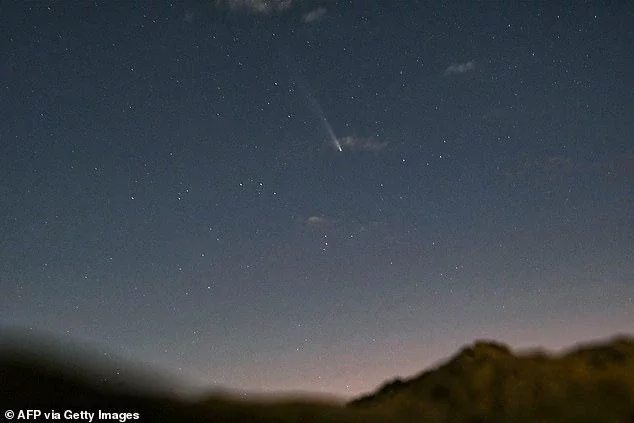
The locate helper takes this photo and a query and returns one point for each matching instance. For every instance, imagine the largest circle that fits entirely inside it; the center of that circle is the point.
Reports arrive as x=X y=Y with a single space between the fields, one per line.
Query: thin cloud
x=316 y=221
x=314 y=15
x=546 y=170
x=362 y=144
x=189 y=16
x=256 y=6
x=459 y=68
x=549 y=165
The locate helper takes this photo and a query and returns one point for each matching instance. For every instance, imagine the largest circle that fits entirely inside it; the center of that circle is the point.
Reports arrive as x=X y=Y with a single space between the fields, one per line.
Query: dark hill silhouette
x=485 y=382
x=42 y=376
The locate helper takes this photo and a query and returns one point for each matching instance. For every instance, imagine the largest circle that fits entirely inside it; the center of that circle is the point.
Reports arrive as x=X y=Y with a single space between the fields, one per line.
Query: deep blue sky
x=172 y=191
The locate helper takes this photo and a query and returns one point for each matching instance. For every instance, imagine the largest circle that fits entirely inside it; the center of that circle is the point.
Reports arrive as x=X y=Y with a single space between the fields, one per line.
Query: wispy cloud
x=362 y=144
x=256 y=6
x=316 y=221
x=314 y=15
x=189 y=16
x=458 y=68
x=544 y=171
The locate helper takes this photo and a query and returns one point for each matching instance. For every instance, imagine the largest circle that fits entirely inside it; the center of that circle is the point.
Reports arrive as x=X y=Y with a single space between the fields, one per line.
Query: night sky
x=303 y=195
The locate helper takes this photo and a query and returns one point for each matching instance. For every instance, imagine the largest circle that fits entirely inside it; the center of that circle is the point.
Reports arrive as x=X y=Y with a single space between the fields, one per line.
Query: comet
x=326 y=124
x=304 y=88
x=337 y=145
x=322 y=117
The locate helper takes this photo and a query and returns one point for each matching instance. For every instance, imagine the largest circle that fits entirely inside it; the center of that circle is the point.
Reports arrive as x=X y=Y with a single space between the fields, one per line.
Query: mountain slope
x=487 y=382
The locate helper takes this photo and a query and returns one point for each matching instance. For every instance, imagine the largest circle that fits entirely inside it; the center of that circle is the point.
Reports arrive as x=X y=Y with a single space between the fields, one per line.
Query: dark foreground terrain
x=484 y=382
